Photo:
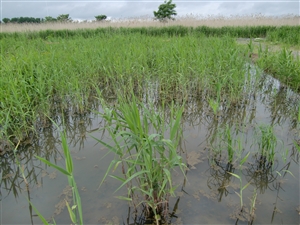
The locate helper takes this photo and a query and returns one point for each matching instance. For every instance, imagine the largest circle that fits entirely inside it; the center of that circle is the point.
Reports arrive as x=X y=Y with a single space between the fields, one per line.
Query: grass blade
x=54 y=166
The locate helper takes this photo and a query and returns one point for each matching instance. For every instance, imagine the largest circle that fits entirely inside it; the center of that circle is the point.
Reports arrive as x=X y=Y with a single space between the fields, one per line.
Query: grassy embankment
x=51 y=71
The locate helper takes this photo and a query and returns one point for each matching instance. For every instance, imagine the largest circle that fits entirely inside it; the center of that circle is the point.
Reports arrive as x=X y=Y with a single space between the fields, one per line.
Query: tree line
x=60 y=18
x=164 y=13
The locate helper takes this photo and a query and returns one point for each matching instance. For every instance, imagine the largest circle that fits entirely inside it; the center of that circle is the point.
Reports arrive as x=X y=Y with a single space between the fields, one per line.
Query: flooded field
x=230 y=178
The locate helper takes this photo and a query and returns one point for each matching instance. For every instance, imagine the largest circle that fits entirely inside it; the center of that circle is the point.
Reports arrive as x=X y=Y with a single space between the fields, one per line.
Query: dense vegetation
x=284 y=34
x=53 y=72
x=45 y=70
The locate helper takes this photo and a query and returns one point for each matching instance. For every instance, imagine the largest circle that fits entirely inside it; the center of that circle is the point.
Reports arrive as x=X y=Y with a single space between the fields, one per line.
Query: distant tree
x=6 y=20
x=29 y=20
x=50 y=19
x=64 y=18
x=14 y=20
x=101 y=17
x=165 y=11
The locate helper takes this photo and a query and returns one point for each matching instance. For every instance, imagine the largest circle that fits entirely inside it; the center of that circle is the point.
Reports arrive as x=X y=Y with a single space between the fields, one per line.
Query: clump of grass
x=146 y=156
x=267 y=143
x=283 y=65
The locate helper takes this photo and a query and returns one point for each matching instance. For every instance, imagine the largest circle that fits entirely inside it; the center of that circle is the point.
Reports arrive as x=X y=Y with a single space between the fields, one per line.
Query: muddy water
x=209 y=196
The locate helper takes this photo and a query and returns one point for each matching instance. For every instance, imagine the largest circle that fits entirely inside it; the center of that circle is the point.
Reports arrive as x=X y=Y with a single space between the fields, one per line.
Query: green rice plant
x=146 y=156
x=267 y=143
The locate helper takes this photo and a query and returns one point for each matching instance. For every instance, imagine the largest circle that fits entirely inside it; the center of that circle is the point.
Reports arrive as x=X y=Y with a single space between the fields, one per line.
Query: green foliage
x=101 y=17
x=165 y=11
x=112 y=57
x=6 y=20
x=63 y=18
x=43 y=71
x=50 y=19
x=166 y=31
x=285 y=34
x=283 y=65
x=146 y=156
x=22 y=20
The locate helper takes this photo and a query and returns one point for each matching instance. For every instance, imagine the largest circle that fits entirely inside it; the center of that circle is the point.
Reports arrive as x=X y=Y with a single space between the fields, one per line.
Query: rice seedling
x=146 y=157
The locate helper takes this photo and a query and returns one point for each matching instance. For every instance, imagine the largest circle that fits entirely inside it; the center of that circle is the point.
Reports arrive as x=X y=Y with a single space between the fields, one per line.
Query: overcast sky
x=87 y=9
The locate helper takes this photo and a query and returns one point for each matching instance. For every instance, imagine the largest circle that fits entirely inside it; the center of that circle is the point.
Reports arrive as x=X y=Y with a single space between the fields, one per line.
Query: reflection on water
x=209 y=194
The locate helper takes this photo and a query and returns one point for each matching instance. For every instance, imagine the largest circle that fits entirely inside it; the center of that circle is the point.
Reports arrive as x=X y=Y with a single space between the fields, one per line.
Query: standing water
x=223 y=148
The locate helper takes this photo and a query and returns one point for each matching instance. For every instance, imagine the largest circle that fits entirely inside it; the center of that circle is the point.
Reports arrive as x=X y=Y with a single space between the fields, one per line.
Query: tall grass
x=148 y=21
x=146 y=146
x=42 y=76
x=283 y=65
x=283 y=34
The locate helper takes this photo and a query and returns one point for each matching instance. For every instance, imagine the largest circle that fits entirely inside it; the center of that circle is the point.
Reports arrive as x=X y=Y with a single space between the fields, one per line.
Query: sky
x=119 y=9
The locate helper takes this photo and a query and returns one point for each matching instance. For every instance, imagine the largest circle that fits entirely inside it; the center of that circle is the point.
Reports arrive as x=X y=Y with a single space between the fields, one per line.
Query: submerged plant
x=147 y=158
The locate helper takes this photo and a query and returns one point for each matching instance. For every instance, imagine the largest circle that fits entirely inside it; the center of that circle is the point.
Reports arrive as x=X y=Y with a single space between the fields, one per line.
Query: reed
x=146 y=156
x=75 y=211
x=148 y=21
x=267 y=143
x=282 y=64
x=42 y=76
